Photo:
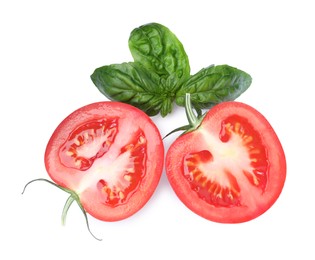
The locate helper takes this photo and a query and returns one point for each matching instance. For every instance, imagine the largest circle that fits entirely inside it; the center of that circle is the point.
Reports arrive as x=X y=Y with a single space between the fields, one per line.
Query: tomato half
x=111 y=155
x=230 y=169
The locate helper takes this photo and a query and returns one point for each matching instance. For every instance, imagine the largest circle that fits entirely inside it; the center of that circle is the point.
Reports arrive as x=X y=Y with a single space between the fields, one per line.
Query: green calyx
x=193 y=119
x=73 y=197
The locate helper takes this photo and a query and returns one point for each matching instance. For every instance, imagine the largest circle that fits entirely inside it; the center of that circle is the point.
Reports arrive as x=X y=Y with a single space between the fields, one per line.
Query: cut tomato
x=110 y=155
x=231 y=168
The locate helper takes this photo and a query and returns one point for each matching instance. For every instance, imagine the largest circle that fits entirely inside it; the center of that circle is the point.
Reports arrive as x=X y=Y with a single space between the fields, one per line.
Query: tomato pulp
x=231 y=168
x=110 y=154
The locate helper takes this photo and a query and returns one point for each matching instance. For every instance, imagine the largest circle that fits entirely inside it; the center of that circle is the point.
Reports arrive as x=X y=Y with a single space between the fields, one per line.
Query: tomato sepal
x=193 y=119
x=73 y=197
x=184 y=128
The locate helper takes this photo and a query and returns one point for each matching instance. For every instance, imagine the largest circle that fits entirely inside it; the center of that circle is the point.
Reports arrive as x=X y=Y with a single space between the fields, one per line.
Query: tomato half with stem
x=109 y=157
x=231 y=167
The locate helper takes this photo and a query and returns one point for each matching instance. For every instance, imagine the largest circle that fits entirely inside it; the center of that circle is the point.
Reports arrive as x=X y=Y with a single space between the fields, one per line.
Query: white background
x=49 y=50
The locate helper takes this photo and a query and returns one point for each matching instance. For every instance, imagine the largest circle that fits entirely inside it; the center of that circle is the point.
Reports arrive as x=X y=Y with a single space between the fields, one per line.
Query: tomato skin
x=133 y=126
x=254 y=195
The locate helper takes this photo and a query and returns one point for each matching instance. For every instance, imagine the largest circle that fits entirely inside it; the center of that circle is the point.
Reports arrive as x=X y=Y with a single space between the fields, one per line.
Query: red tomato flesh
x=111 y=154
x=230 y=169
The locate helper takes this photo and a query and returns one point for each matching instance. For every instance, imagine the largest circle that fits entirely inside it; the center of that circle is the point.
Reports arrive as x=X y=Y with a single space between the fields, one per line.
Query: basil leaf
x=213 y=85
x=160 y=74
x=132 y=84
x=158 y=49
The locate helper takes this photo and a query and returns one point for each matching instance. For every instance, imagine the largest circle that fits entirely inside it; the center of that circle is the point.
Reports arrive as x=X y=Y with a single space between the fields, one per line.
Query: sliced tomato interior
x=127 y=171
x=234 y=158
x=116 y=171
x=87 y=143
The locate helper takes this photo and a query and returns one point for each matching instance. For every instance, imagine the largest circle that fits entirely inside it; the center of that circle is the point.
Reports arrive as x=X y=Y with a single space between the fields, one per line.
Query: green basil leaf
x=160 y=74
x=213 y=85
x=158 y=49
x=132 y=84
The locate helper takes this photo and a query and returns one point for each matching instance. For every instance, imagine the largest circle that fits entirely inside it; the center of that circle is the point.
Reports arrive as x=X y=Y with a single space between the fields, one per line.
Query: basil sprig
x=160 y=75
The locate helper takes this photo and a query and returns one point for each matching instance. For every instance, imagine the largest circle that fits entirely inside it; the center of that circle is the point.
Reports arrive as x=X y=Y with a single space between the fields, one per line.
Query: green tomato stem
x=73 y=197
x=192 y=118
x=66 y=208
